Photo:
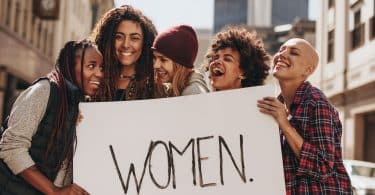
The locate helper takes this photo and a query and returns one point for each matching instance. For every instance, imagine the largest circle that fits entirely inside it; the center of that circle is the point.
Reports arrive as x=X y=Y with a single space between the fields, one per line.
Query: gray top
x=197 y=85
x=27 y=112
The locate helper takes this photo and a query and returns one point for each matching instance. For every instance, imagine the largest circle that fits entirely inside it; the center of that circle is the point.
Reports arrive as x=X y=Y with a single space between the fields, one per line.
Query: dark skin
x=34 y=177
x=92 y=71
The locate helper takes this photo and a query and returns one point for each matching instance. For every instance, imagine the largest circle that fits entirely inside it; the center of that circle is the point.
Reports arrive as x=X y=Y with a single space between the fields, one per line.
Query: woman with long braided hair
x=37 y=146
x=125 y=35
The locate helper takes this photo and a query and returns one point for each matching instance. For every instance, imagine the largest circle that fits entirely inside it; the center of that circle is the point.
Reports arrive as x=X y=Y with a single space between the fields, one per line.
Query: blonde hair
x=180 y=80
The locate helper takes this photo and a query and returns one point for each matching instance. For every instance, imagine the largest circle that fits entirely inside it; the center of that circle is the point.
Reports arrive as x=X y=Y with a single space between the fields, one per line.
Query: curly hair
x=104 y=36
x=254 y=60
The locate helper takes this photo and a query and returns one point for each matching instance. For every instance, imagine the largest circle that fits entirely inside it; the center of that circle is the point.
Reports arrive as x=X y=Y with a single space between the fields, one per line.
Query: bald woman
x=310 y=128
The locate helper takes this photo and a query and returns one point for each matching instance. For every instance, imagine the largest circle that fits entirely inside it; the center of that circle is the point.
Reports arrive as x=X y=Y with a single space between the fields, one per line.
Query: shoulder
x=196 y=85
x=39 y=89
x=317 y=99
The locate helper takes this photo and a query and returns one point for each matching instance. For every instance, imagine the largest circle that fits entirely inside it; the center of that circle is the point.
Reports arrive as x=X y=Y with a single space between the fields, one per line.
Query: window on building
x=358 y=33
x=38 y=35
x=372 y=24
x=8 y=18
x=357 y=18
x=331 y=3
x=331 y=45
x=25 y=22
x=17 y=19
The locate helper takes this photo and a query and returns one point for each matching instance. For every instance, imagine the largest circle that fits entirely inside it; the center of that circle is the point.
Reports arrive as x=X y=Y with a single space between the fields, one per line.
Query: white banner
x=216 y=143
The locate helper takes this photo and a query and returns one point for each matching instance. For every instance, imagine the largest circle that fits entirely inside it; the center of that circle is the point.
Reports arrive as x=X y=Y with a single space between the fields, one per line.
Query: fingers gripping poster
x=210 y=144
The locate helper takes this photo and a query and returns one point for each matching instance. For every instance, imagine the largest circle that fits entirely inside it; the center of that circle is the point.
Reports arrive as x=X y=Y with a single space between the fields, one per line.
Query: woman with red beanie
x=175 y=51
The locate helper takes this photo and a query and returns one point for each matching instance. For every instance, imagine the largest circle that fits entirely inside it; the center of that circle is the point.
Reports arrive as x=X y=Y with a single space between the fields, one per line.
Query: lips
x=126 y=54
x=281 y=64
x=162 y=74
x=95 y=83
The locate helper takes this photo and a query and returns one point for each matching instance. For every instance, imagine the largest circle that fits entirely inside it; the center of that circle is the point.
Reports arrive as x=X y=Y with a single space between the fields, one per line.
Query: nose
x=126 y=42
x=99 y=73
x=156 y=63
x=215 y=62
x=280 y=55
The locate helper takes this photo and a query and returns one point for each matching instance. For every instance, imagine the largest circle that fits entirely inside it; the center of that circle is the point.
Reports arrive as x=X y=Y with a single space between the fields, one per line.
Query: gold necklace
x=123 y=77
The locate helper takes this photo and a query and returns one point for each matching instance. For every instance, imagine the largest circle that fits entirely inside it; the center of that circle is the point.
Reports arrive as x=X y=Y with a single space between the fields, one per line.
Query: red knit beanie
x=178 y=43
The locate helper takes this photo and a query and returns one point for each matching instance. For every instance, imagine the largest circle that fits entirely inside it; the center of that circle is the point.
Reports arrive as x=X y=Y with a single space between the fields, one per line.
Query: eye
x=101 y=68
x=228 y=59
x=212 y=59
x=118 y=37
x=163 y=60
x=91 y=66
x=135 y=38
x=281 y=49
x=294 y=53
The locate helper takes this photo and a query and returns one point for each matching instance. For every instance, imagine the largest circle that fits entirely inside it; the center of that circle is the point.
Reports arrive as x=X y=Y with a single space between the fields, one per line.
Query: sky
x=166 y=13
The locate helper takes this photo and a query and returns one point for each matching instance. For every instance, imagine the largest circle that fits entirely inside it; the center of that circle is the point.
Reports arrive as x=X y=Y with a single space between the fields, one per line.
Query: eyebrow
x=295 y=48
x=131 y=34
x=92 y=61
x=229 y=55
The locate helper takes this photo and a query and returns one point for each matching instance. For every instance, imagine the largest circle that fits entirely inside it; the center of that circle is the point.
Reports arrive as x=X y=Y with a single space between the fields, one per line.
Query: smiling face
x=295 y=60
x=225 y=71
x=92 y=70
x=164 y=68
x=128 y=42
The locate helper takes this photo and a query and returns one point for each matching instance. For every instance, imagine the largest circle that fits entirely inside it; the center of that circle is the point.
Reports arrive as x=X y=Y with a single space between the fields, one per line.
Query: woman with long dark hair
x=125 y=35
x=37 y=146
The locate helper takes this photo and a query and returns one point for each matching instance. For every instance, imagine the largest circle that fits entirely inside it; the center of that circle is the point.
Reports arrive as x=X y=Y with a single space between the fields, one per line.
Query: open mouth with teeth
x=217 y=72
x=97 y=83
x=126 y=53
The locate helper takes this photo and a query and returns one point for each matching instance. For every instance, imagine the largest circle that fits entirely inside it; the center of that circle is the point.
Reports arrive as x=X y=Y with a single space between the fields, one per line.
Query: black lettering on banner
x=173 y=147
x=169 y=165
x=242 y=172
x=132 y=170
x=201 y=183
x=196 y=157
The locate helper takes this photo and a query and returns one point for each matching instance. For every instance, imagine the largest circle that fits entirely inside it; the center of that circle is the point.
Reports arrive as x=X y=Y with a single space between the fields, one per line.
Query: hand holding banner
x=217 y=143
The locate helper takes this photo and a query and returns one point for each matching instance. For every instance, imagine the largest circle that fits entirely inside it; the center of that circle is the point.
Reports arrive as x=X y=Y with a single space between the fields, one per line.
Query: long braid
x=61 y=144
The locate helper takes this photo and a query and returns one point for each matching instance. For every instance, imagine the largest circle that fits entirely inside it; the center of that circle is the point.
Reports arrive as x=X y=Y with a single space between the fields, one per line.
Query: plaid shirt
x=319 y=169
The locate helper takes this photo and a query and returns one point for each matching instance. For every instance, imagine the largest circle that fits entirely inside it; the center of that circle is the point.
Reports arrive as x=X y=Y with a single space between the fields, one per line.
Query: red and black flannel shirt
x=319 y=169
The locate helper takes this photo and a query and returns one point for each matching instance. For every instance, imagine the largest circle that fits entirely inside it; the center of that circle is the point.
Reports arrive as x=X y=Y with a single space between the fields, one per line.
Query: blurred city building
x=32 y=32
x=204 y=40
x=345 y=35
x=274 y=37
x=260 y=13
x=274 y=21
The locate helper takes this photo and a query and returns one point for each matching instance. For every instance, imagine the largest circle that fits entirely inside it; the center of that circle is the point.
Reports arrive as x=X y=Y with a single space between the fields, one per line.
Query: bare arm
x=35 y=178
x=276 y=109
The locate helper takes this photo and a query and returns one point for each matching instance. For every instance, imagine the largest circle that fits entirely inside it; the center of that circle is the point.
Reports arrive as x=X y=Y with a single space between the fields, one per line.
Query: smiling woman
x=124 y=35
x=236 y=59
x=175 y=51
x=37 y=146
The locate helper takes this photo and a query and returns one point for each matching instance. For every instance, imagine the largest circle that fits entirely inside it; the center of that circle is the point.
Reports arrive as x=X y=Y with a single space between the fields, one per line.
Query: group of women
x=125 y=60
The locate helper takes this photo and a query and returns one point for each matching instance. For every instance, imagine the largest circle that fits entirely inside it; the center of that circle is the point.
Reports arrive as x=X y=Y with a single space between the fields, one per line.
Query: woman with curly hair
x=236 y=59
x=125 y=36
